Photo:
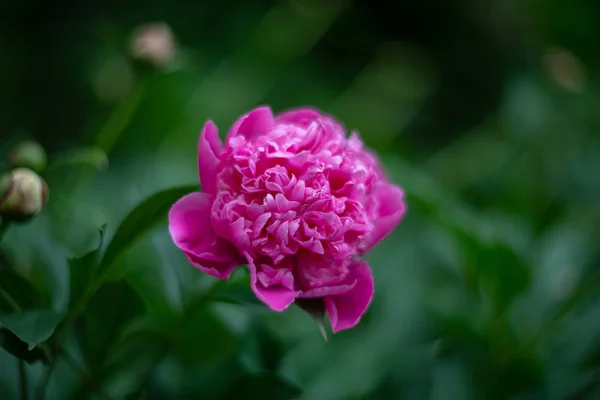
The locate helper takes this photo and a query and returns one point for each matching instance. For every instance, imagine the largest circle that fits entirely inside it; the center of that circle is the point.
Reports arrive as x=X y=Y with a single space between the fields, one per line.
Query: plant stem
x=120 y=118
x=23 y=380
x=114 y=127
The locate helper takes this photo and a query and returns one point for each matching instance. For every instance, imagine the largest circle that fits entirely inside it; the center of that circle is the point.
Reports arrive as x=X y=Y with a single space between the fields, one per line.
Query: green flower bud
x=28 y=154
x=23 y=194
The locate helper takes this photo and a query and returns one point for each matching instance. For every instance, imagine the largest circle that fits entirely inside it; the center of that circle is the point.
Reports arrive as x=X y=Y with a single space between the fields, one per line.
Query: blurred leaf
x=19 y=348
x=451 y=380
x=17 y=292
x=33 y=327
x=474 y=158
x=81 y=272
x=457 y=333
x=502 y=274
x=261 y=351
x=31 y=248
x=592 y=359
x=517 y=375
x=506 y=273
x=203 y=337
x=127 y=366
x=107 y=314
x=151 y=273
x=589 y=391
x=207 y=381
x=267 y=386
x=410 y=377
x=139 y=221
x=237 y=291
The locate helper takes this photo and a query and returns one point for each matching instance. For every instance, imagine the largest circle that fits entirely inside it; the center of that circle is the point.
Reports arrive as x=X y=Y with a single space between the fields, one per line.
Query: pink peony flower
x=296 y=200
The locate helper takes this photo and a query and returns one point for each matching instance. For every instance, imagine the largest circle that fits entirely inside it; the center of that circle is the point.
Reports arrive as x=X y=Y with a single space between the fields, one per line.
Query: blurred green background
x=486 y=112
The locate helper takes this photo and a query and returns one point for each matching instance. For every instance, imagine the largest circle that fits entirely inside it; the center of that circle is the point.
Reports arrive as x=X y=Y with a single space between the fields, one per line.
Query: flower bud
x=23 y=194
x=28 y=154
x=154 y=44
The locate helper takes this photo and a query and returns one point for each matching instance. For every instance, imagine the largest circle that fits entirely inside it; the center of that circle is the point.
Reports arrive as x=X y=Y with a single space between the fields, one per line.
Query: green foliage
x=81 y=273
x=265 y=386
x=202 y=337
x=237 y=291
x=33 y=327
x=145 y=216
x=107 y=313
x=488 y=289
x=18 y=293
x=19 y=348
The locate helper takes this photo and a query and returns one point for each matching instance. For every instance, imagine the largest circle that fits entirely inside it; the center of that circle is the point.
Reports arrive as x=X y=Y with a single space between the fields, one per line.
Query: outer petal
x=189 y=225
x=277 y=298
x=390 y=210
x=209 y=150
x=257 y=122
x=221 y=270
x=327 y=291
x=345 y=310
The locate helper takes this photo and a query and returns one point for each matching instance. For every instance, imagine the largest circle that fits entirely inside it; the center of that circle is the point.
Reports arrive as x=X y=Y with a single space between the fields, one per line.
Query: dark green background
x=486 y=112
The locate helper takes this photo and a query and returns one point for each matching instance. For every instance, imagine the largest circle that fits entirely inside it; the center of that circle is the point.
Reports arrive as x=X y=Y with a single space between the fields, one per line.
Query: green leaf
x=518 y=374
x=17 y=292
x=269 y=386
x=18 y=348
x=591 y=359
x=107 y=314
x=236 y=291
x=32 y=327
x=127 y=366
x=32 y=250
x=505 y=273
x=409 y=377
x=261 y=351
x=496 y=269
x=81 y=272
x=139 y=221
x=203 y=337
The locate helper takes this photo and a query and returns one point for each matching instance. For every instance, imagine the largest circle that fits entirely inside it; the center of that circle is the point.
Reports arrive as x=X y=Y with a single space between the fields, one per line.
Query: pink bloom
x=296 y=200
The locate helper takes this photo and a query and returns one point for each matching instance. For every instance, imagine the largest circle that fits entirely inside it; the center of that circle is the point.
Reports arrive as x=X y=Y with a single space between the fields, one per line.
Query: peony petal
x=302 y=117
x=190 y=228
x=278 y=298
x=257 y=122
x=209 y=150
x=188 y=219
x=327 y=291
x=345 y=310
x=390 y=211
x=221 y=270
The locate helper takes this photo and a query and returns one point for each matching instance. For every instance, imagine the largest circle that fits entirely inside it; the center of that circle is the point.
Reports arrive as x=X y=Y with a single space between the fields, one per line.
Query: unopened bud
x=28 y=154
x=23 y=194
x=154 y=44
x=565 y=70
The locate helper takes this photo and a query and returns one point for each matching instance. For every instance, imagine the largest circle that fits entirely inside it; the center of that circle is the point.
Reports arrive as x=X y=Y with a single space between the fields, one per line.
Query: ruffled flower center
x=295 y=200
